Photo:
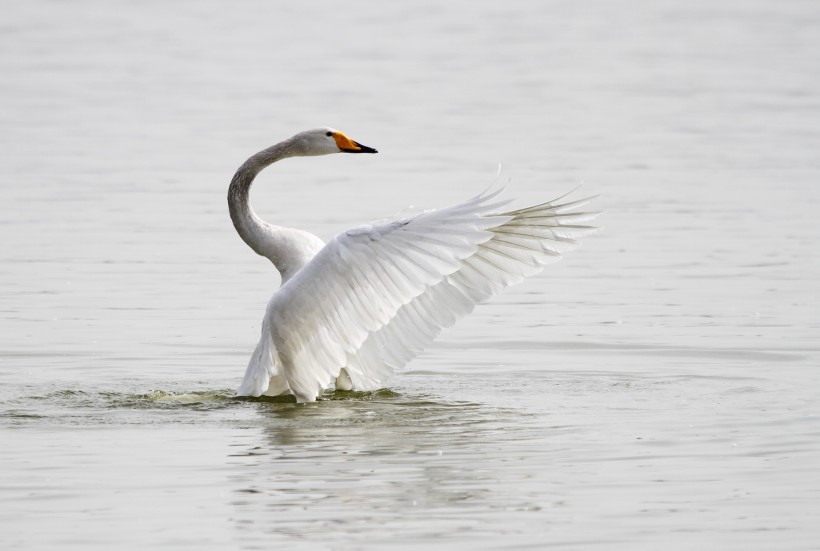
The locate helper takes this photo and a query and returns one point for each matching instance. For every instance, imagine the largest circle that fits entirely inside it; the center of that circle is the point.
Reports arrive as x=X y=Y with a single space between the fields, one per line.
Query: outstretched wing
x=376 y=295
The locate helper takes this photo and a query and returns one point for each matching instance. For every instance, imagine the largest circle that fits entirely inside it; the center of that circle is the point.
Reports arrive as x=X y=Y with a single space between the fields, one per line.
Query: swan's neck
x=260 y=236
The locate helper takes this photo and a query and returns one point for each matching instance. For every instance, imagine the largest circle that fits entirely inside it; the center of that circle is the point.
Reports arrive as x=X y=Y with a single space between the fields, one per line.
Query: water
x=658 y=388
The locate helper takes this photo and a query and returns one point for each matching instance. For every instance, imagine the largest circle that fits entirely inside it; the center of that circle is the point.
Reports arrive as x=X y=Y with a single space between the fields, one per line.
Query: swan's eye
x=328 y=134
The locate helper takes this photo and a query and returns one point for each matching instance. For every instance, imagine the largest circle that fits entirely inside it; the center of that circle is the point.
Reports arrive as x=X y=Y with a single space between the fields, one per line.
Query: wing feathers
x=376 y=295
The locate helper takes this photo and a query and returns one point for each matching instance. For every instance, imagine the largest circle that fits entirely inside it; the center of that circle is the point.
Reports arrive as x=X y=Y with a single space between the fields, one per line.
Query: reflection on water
x=445 y=457
x=412 y=465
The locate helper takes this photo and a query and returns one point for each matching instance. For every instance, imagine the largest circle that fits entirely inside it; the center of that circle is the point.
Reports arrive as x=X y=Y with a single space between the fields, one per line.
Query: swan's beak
x=347 y=145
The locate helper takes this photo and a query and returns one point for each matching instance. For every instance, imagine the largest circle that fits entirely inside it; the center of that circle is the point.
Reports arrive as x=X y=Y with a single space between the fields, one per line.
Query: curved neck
x=253 y=231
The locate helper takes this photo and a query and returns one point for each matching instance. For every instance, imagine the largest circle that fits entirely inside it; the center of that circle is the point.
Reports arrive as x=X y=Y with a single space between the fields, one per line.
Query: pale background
x=656 y=389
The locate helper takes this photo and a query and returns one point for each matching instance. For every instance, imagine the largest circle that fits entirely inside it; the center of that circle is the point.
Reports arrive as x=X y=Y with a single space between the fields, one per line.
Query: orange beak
x=349 y=146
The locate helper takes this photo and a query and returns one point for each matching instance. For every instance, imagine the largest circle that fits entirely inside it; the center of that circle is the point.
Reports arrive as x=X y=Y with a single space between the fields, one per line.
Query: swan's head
x=324 y=141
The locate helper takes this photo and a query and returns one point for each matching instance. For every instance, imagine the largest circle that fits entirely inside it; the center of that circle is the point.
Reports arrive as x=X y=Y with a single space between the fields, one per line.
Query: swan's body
x=369 y=301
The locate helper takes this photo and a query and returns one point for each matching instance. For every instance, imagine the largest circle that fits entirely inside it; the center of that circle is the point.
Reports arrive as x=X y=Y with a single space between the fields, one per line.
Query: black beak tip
x=364 y=149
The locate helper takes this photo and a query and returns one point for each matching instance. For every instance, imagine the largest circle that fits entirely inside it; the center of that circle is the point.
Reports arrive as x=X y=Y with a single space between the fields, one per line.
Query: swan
x=361 y=306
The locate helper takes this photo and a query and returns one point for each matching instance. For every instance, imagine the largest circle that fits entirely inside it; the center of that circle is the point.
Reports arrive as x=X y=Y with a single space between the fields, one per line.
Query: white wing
x=376 y=295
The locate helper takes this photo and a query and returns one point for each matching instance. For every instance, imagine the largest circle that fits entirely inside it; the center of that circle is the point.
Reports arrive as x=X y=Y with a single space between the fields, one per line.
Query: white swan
x=369 y=301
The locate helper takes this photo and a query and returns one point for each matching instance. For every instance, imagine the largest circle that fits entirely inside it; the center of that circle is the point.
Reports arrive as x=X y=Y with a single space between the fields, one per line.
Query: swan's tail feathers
x=262 y=375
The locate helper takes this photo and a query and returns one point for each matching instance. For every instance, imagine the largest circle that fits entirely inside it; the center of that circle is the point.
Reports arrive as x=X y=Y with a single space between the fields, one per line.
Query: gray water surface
x=656 y=389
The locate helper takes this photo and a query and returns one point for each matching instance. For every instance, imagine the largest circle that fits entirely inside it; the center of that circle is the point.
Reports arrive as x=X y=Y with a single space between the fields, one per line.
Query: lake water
x=658 y=389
